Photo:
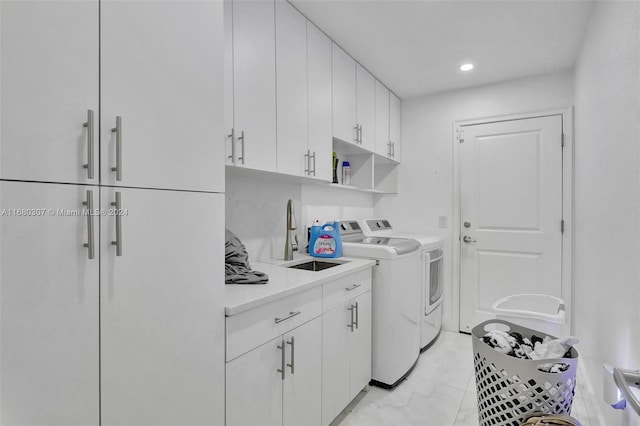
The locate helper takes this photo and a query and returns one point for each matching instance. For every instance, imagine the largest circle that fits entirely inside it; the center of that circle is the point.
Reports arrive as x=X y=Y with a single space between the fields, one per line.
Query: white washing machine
x=431 y=271
x=395 y=301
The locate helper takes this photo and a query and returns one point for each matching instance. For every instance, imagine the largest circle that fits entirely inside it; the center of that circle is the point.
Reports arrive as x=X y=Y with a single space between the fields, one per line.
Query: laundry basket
x=509 y=389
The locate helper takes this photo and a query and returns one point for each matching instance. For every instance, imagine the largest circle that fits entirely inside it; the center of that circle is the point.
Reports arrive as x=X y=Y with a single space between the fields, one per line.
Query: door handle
x=467 y=239
x=351 y=308
x=89 y=125
x=118 y=131
x=281 y=370
x=90 y=237
x=233 y=146
x=241 y=139
x=118 y=206
x=307 y=170
x=293 y=348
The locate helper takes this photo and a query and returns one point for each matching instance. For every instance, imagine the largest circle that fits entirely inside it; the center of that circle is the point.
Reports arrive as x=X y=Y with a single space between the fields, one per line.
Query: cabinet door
x=366 y=104
x=254 y=386
x=360 y=351
x=49 y=82
x=302 y=387
x=319 y=92
x=335 y=361
x=395 y=126
x=291 y=84
x=49 y=355
x=382 y=120
x=230 y=145
x=162 y=73
x=344 y=95
x=162 y=315
x=254 y=85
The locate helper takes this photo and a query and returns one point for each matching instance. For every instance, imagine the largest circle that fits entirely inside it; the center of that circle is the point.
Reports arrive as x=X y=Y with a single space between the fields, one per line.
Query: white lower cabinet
x=346 y=343
x=300 y=360
x=49 y=306
x=278 y=383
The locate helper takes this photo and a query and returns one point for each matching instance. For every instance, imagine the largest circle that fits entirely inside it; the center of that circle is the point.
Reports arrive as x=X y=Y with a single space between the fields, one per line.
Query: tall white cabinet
x=113 y=317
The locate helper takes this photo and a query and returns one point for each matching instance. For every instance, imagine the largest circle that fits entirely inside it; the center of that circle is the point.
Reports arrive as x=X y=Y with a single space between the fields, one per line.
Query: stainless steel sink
x=315 y=265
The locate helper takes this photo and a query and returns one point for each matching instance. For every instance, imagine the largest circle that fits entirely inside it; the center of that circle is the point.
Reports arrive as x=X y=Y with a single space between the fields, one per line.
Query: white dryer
x=395 y=301
x=431 y=272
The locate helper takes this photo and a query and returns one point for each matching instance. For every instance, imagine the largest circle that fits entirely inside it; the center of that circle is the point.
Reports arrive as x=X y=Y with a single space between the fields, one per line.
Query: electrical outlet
x=442 y=221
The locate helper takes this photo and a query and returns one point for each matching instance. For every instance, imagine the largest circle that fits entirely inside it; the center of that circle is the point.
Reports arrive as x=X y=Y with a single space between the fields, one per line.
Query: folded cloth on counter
x=236 y=263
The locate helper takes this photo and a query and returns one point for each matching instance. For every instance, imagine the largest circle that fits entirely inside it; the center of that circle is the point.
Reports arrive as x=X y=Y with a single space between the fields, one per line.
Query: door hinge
x=562 y=140
x=562 y=226
x=460 y=134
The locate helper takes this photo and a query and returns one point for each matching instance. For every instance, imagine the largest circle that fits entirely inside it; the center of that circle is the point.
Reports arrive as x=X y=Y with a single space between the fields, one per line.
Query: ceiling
x=416 y=47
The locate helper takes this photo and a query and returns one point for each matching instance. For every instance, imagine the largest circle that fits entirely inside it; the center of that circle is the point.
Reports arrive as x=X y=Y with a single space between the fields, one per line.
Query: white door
x=49 y=83
x=291 y=84
x=302 y=387
x=254 y=85
x=162 y=319
x=162 y=74
x=320 y=102
x=344 y=95
x=383 y=147
x=49 y=349
x=360 y=346
x=510 y=213
x=254 y=386
x=395 y=125
x=335 y=361
x=366 y=107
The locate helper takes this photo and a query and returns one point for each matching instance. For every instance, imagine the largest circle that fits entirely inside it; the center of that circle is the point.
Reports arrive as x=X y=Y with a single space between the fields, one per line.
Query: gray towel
x=236 y=263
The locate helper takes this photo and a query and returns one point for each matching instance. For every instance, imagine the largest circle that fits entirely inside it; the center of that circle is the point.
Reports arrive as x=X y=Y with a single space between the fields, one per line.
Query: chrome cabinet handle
x=90 y=238
x=118 y=131
x=393 y=149
x=353 y=287
x=360 y=134
x=233 y=146
x=281 y=370
x=241 y=138
x=118 y=205
x=351 y=309
x=313 y=171
x=293 y=348
x=89 y=125
x=291 y=315
x=467 y=239
x=307 y=157
x=357 y=129
x=357 y=312
x=389 y=149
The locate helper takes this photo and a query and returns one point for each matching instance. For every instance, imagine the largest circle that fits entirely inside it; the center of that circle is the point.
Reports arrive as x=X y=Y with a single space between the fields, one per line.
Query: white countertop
x=286 y=281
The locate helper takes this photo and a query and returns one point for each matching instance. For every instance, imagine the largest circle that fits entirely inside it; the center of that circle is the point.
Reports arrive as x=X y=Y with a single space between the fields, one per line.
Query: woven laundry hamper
x=509 y=389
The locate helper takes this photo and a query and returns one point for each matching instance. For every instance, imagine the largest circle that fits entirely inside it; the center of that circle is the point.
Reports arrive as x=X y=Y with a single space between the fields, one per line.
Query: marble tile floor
x=439 y=392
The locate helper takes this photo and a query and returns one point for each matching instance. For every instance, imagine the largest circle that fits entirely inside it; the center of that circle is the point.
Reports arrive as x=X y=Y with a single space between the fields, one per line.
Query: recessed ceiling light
x=466 y=67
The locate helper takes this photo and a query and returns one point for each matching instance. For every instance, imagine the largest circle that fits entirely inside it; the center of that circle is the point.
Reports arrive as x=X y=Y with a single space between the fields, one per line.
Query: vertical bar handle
x=357 y=311
x=233 y=146
x=241 y=138
x=281 y=370
x=89 y=125
x=360 y=134
x=118 y=205
x=357 y=129
x=350 y=308
x=293 y=348
x=393 y=149
x=90 y=244
x=118 y=131
x=314 y=163
x=307 y=169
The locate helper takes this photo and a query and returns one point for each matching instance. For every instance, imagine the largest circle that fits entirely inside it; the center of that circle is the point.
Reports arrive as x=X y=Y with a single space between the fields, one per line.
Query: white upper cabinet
x=254 y=84
x=291 y=84
x=320 y=104
x=345 y=125
x=395 y=126
x=383 y=147
x=230 y=157
x=49 y=83
x=365 y=107
x=161 y=94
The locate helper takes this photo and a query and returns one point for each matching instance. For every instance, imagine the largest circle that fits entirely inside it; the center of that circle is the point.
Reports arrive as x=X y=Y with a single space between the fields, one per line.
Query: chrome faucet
x=290 y=246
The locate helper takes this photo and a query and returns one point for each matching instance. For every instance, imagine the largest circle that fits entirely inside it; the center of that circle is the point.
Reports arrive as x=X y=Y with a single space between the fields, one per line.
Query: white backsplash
x=256 y=208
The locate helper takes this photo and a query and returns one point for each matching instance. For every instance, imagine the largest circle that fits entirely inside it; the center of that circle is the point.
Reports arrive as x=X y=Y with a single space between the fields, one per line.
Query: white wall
x=607 y=193
x=426 y=172
x=256 y=205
